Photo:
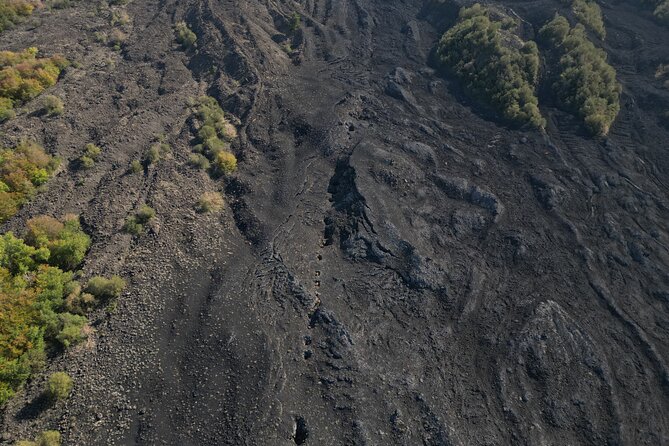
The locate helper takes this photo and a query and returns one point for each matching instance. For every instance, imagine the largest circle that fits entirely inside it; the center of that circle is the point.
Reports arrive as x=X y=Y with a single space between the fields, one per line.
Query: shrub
x=23 y=76
x=52 y=106
x=199 y=161
x=494 y=64
x=136 y=167
x=210 y=202
x=48 y=438
x=213 y=135
x=554 y=32
x=91 y=155
x=155 y=153
x=117 y=39
x=225 y=163
x=131 y=226
x=185 y=37
x=295 y=21
x=105 y=289
x=12 y=12
x=35 y=296
x=135 y=223
x=59 y=386
x=22 y=170
x=587 y=84
x=589 y=13
x=65 y=241
x=72 y=329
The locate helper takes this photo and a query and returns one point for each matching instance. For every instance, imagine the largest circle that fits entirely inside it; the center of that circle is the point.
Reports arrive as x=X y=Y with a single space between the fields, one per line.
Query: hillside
x=331 y=233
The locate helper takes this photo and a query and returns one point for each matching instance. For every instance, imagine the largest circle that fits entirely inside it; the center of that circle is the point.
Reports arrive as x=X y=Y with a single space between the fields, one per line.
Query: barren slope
x=391 y=268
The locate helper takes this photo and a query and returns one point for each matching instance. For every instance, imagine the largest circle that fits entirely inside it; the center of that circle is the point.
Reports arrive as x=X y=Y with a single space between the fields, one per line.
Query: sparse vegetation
x=586 y=85
x=46 y=438
x=590 y=14
x=155 y=153
x=105 y=289
x=24 y=76
x=91 y=155
x=135 y=224
x=185 y=36
x=117 y=39
x=136 y=166
x=214 y=136
x=36 y=285
x=210 y=202
x=22 y=170
x=13 y=11
x=52 y=106
x=59 y=386
x=494 y=64
x=199 y=161
x=295 y=22
x=662 y=74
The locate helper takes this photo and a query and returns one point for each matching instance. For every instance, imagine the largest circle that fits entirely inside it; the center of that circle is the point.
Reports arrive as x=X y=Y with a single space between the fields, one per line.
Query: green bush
x=295 y=22
x=59 y=386
x=105 y=289
x=91 y=155
x=199 y=161
x=12 y=12
x=214 y=136
x=72 y=329
x=49 y=438
x=65 y=241
x=136 y=167
x=494 y=64
x=23 y=76
x=185 y=37
x=589 y=14
x=52 y=106
x=155 y=153
x=210 y=202
x=36 y=295
x=22 y=170
x=586 y=85
x=135 y=223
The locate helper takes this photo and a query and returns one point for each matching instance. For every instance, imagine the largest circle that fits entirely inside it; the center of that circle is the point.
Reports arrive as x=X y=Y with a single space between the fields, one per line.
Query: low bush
x=214 y=135
x=135 y=224
x=71 y=329
x=58 y=386
x=105 y=289
x=91 y=155
x=155 y=153
x=117 y=39
x=49 y=438
x=295 y=22
x=590 y=14
x=136 y=166
x=52 y=106
x=586 y=84
x=494 y=64
x=184 y=35
x=199 y=161
x=22 y=170
x=46 y=438
x=210 y=202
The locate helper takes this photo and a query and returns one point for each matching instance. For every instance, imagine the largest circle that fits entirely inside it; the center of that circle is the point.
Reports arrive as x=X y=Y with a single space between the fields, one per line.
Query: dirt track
x=391 y=268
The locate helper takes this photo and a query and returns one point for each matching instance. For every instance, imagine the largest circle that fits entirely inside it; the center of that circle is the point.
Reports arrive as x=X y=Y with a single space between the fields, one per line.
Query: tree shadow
x=33 y=409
